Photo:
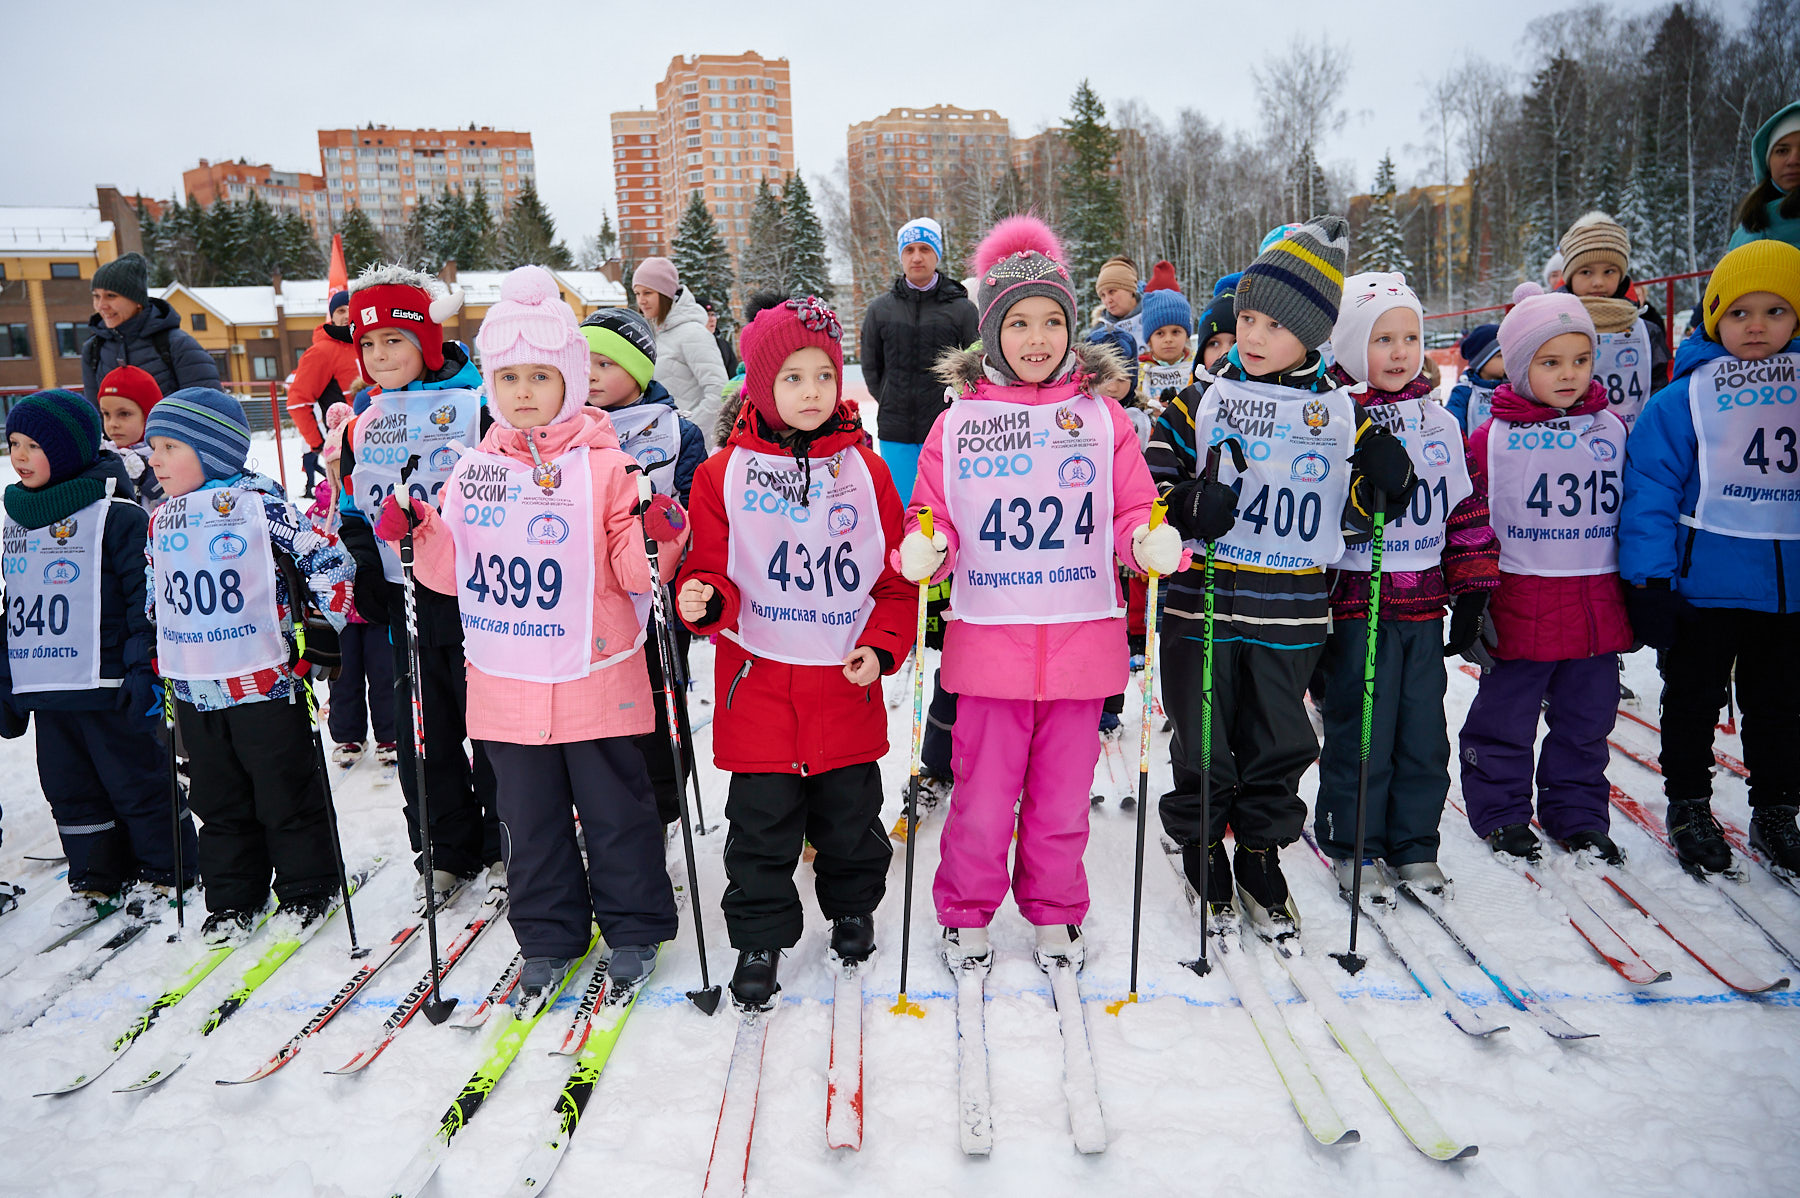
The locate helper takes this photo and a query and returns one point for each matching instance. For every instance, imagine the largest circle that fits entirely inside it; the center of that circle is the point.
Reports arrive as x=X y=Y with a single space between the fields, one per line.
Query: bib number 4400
x=1291 y=514
x=1024 y=534
x=809 y=570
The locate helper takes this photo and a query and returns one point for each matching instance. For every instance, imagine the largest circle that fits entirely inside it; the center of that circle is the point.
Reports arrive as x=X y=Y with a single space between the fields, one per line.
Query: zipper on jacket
x=1043 y=637
x=1780 y=582
x=743 y=672
x=1687 y=553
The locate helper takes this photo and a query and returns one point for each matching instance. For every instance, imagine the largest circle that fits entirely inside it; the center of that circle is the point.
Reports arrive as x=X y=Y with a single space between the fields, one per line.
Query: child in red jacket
x=792 y=523
x=1549 y=465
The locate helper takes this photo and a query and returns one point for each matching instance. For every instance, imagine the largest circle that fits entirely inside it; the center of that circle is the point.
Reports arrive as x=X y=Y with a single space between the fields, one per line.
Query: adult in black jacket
x=903 y=333
x=131 y=329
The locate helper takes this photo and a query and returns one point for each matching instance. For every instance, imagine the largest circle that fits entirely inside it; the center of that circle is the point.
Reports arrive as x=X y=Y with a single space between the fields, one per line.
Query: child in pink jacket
x=1037 y=487
x=540 y=543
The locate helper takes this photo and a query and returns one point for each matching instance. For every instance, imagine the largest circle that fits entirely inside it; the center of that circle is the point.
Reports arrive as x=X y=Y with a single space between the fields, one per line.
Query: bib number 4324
x=1023 y=533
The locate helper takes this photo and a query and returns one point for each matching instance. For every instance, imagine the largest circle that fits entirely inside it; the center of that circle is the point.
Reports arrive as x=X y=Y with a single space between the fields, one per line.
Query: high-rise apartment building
x=645 y=222
x=284 y=191
x=384 y=171
x=725 y=122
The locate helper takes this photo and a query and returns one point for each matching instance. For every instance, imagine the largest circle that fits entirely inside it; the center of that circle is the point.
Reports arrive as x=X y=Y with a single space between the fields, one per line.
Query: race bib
x=53 y=601
x=1155 y=377
x=524 y=539
x=1622 y=364
x=1415 y=539
x=1747 y=423
x=804 y=571
x=1554 y=493
x=1291 y=499
x=651 y=434
x=1481 y=406
x=216 y=615
x=1030 y=491
x=399 y=426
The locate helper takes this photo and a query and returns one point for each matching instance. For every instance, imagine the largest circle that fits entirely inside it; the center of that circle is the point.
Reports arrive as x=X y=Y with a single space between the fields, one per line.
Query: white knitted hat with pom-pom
x=532 y=324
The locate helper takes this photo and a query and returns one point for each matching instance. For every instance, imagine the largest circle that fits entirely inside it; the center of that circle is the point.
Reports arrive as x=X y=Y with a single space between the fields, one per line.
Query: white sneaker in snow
x=347 y=754
x=387 y=754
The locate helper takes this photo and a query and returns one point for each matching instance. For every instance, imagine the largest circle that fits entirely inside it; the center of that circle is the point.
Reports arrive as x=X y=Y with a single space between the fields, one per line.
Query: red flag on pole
x=340 y=275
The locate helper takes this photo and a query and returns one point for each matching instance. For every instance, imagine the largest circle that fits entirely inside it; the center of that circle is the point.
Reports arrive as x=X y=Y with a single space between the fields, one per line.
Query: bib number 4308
x=203 y=592
x=1024 y=534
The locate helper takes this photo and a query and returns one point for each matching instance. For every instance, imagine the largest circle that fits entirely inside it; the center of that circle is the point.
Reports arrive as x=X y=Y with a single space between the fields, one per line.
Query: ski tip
x=906 y=1006
x=1351 y=962
x=1450 y=1152
x=707 y=1000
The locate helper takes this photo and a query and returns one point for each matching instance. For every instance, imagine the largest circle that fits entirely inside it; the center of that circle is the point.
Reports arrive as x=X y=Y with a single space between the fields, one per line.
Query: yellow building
x=48 y=256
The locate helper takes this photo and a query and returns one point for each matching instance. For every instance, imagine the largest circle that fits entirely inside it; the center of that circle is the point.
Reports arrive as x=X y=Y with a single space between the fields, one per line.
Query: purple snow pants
x=1499 y=734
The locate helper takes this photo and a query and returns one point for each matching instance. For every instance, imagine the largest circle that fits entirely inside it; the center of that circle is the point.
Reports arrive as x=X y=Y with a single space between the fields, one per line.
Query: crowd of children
x=480 y=553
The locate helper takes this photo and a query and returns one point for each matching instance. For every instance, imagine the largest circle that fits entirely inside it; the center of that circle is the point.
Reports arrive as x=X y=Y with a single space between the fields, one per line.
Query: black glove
x=1383 y=462
x=1167 y=397
x=1655 y=608
x=140 y=696
x=1202 y=511
x=1469 y=638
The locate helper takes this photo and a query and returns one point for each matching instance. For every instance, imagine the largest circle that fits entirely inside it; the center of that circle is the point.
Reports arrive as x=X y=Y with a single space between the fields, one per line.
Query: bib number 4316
x=810 y=570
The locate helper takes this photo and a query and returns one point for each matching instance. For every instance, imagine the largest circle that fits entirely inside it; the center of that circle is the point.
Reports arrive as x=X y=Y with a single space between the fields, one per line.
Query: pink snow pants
x=1040 y=755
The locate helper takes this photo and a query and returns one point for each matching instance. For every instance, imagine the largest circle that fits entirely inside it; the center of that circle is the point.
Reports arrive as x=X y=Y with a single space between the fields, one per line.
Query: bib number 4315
x=1602 y=494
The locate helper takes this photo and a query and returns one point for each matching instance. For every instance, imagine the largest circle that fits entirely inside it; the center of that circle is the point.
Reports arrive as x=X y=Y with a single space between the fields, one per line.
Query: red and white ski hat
x=396 y=297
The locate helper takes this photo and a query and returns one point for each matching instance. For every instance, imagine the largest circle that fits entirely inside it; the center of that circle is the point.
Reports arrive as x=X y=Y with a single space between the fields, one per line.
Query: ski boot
x=1516 y=840
x=9 y=896
x=934 y=787
x=1697 y=837
x=387 y=754
x=853 y=938
x=1424 y=876
x=299 y=915
x=228 y=927
x=445 y=885
x=82 y=906
x=539 y=977
x=1598 y=843
x=1263 y=890
x=347 y=754
x=630 y=963
x=753 y=983
x=1215 y=888
x=1059 y=944
x=1774 y=834
x=496 y=878
x=965 y=947
x=147 y=900
x=1374 y=884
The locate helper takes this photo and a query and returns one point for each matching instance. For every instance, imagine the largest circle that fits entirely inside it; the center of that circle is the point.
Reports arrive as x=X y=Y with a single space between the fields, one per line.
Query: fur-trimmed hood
x=1093 y=366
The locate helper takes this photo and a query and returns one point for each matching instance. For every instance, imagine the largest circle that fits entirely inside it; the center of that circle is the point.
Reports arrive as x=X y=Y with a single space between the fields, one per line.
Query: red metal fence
x=1667 y=282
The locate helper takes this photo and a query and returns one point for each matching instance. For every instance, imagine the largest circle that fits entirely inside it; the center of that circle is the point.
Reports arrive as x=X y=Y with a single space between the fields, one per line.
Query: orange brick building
x=384 y=170
x=284 y=191
x=644 y=222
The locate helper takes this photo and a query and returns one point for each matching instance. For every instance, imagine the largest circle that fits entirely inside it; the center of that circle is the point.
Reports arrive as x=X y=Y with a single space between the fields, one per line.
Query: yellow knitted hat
x=1765 y=265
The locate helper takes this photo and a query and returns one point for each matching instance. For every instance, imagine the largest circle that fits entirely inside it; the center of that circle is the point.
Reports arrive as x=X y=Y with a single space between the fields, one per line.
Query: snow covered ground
x=1689 y=1088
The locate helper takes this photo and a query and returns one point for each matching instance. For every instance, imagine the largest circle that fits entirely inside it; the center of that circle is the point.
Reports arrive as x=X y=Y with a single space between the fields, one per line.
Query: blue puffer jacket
x=1662 y=483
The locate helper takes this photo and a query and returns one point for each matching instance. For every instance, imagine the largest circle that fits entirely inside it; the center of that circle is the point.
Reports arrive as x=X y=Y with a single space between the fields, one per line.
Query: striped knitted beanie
x=1595 y=239
x=65 y=426
x=1299 y=280
x=625 y=336
x=210 y=421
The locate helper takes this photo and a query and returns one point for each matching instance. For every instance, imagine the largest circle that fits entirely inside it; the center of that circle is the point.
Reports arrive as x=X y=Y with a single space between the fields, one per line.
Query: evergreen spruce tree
x=1308 y=192
x=222 y=246
x=598 y=250
x=415 y=238
x=763 y=264
x=261 y=253
x=529 y=236
x=1093 y=221
x=807 y=271
x=1380 y=242
x=481 y=237
x=363 y=246
x=699 y=253
x=300 y=256
x=178 y=242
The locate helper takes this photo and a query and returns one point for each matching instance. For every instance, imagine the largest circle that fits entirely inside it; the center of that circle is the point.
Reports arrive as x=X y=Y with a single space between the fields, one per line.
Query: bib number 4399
x=1024 y=534
x=511 y=581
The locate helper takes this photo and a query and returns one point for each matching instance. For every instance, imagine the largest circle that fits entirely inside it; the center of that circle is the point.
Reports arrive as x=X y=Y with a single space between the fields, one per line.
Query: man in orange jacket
x=329 y=370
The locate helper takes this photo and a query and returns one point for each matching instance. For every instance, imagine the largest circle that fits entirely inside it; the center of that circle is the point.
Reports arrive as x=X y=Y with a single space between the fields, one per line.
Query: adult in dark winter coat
x=903 y=333
x=131 y=329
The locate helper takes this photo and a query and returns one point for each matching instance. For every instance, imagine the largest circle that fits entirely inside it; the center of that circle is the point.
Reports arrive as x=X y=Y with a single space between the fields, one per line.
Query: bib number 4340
x=34 y=619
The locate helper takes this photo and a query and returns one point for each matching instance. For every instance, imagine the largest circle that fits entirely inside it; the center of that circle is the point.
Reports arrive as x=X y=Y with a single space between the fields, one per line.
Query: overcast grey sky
x=132 y=94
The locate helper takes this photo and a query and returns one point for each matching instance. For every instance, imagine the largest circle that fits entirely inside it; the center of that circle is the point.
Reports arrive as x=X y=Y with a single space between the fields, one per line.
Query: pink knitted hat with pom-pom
x=1019 y=257
x=531 y=323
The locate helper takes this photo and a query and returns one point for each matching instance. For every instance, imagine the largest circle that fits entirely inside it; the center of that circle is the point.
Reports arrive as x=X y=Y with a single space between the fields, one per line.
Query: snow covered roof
x=594 y=287
x=233 y=305
x=34 y=231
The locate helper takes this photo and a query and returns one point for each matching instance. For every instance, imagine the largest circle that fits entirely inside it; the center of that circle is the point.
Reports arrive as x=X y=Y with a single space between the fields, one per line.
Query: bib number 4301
x=1024 y=534
x=809 y=570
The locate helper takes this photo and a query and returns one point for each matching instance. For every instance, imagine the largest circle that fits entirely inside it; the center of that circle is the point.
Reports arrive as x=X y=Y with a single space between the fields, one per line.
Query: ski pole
x=175 y=809
x=1349 y=958
x=707 y=997
x=689 y=765
x=1203 y=965
x=904 y=1005
x=357 y=952
x=1158 y=511
x=437 y=1007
